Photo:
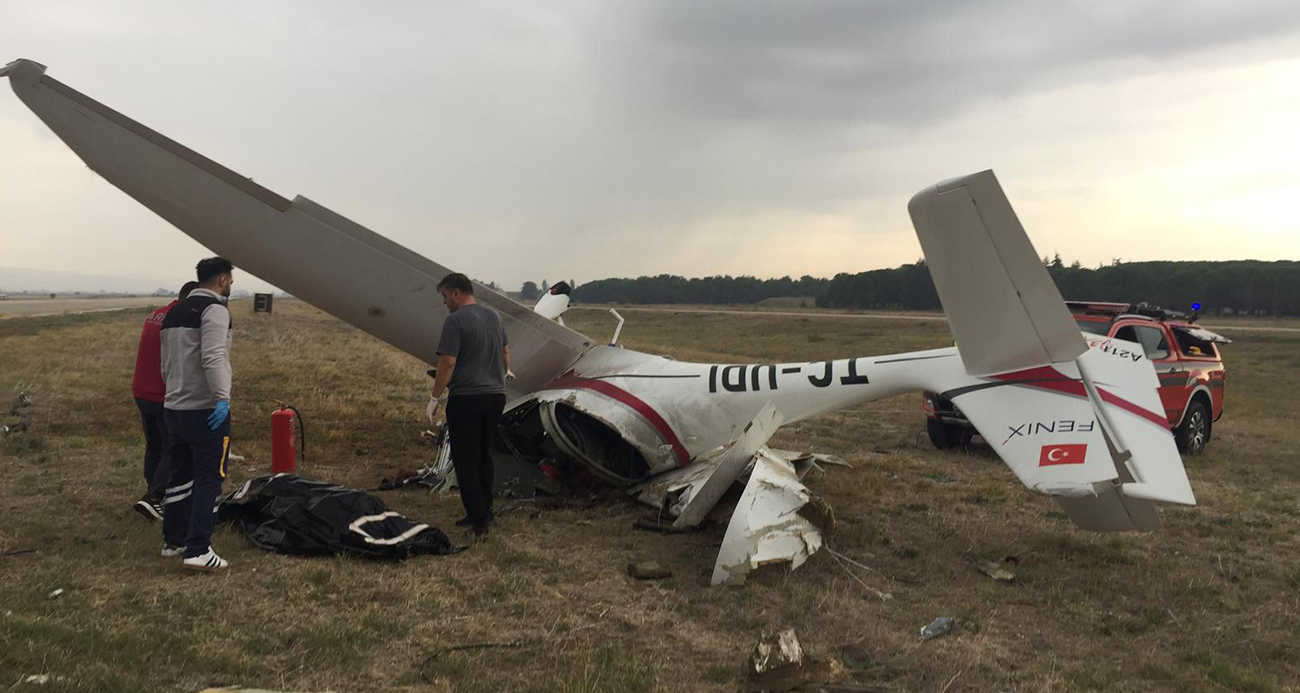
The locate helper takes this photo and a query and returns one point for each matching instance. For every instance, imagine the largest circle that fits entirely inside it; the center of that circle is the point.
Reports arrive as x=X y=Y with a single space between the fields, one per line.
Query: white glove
x=431 y=409
x=510 y=375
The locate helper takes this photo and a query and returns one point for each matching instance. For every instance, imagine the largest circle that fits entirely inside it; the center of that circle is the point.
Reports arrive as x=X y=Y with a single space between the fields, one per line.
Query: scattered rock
x=649 y=570
x=940 y=626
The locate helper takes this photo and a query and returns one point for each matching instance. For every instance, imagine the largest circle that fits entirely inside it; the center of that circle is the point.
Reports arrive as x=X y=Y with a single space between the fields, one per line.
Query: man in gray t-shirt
x=473 y=362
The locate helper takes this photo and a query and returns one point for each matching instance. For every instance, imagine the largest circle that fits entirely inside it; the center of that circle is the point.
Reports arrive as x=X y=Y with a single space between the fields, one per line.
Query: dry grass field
x=1210 y=602
x=25 y=306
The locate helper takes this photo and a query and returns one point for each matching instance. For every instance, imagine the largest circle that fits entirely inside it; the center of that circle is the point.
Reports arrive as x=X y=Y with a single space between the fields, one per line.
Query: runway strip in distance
x=874 y=316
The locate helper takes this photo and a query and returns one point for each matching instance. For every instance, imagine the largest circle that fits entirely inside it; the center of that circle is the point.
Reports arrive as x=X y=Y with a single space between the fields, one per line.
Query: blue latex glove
x=219 y=415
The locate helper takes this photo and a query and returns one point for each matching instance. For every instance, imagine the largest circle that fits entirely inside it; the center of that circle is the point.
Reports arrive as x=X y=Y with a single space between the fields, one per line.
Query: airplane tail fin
x=1003 y=307
x=1078 y=420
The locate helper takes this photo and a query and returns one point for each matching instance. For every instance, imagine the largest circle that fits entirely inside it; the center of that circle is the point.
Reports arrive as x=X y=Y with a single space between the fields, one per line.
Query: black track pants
x=198 y=468
x=157 y=447
x=472 y=424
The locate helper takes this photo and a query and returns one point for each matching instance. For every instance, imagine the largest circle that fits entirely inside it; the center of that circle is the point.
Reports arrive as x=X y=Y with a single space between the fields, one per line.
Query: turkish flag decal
x=1062 y=454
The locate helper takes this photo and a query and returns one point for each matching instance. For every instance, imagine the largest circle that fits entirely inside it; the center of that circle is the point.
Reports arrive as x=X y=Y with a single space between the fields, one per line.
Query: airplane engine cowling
x=608 y=437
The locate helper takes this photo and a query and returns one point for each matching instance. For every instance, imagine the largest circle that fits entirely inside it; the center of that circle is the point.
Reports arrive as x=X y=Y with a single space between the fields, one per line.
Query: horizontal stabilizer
x=1002 y=306
x=1111 y=511
x=1105 y=459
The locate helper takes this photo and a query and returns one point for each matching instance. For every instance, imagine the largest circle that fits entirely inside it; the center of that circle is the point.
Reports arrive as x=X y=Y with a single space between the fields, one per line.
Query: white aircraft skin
x=707 y=405
x=1074 y=416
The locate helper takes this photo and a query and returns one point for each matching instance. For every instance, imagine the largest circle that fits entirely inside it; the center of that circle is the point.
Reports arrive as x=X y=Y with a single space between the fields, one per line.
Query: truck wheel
x=943 y=435
x=1194 y=432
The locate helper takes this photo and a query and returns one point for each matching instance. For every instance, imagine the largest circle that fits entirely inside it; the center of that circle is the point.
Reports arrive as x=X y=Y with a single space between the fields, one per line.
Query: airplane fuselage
x=674 y=411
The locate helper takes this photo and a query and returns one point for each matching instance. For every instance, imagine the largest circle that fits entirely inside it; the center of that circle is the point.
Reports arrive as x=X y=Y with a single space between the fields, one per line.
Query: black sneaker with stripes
x=148 y=507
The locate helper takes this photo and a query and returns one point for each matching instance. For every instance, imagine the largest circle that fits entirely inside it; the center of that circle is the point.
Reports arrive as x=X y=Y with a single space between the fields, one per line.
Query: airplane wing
x=300 y=246
x=1003 y=307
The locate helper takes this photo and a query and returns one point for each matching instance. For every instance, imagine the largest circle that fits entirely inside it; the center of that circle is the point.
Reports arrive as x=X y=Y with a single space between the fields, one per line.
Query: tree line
x=670 y=288
x=1234 y=286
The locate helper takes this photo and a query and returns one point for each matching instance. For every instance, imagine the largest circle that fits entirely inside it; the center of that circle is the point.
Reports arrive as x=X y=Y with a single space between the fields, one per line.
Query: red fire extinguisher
x=286 y=423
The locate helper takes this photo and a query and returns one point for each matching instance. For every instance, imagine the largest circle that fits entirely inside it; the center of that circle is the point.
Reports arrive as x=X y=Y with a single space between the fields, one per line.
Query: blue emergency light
x=1196 y=306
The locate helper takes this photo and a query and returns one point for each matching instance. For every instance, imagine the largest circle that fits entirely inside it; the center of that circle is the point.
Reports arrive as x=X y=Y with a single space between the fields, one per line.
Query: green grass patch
x=609 y=669
x=1220 y=670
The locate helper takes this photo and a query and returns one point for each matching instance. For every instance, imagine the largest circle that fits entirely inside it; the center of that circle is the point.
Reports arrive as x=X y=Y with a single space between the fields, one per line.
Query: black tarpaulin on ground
x=292 y=515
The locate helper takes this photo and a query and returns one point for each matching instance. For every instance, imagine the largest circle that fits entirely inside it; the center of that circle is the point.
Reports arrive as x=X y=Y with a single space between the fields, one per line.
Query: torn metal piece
x=775 y=662
x=830 y=460
x=733 y=463
x=778 y=663
x=805 y=462
x=24 y=401
x=1001 y=573
x=21 y=411
x=767 y=525
x=671 y=491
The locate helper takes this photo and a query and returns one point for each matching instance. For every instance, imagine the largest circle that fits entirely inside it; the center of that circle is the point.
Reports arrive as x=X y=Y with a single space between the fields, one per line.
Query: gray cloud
x=899 y=62
x=584 y=138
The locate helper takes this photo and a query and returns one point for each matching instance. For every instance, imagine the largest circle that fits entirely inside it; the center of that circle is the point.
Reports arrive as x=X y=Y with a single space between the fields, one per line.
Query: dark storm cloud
x=899 y=62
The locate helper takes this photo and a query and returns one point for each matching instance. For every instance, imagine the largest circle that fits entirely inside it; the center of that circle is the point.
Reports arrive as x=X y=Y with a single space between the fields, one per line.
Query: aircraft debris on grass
x=677 y=435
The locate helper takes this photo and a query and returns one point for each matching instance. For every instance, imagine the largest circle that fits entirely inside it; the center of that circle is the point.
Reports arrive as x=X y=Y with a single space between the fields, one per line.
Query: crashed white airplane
x=677 y=435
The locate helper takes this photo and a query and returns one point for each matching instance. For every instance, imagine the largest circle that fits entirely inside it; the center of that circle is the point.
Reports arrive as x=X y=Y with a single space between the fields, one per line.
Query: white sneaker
x=170 y=551
x=206 y=563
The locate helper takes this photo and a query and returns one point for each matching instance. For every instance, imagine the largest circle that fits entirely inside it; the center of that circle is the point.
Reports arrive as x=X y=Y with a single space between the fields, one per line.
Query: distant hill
x=25 y=279
x=15 y=279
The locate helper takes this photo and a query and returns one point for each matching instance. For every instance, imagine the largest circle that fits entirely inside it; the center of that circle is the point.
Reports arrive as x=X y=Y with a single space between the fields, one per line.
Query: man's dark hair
x=187 y=288
x=211 y=267
x=457 y=282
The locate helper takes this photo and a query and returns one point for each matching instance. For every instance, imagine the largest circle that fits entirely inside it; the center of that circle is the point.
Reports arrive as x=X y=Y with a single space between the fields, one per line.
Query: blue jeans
x=198 y=466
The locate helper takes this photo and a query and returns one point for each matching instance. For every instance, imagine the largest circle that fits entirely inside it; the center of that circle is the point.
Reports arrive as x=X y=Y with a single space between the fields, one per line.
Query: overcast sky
x=588 y=139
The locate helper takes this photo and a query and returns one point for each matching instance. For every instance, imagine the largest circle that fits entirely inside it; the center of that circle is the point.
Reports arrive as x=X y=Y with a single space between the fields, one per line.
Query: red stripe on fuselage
x=633 y=402
x=1048 y=378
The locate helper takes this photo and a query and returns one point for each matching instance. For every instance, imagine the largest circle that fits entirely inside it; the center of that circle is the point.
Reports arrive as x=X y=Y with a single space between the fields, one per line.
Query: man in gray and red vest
x=196 y=368
x=148 y=389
